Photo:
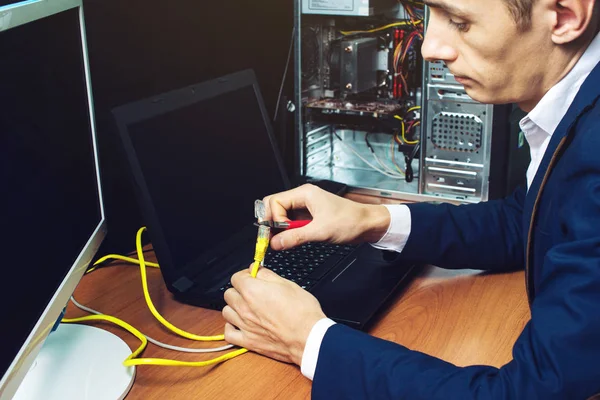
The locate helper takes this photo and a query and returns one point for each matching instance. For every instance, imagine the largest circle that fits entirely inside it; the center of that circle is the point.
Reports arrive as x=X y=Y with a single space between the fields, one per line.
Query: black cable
x=287 y=65
x=409 y=174
x=369 y=144
x=336 y=135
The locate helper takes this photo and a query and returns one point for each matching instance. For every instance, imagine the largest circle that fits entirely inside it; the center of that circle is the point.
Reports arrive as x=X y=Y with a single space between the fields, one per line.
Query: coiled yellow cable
x=118 y=322
x=153 y=310
x=262 y=245
x=132 y=360
x=119 y=257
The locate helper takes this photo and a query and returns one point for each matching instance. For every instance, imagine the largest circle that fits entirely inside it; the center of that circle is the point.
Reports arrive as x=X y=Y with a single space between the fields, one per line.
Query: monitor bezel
x=12 y=16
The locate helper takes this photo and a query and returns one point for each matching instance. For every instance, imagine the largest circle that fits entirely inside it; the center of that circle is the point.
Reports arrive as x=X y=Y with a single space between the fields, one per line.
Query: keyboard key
x=305 y=264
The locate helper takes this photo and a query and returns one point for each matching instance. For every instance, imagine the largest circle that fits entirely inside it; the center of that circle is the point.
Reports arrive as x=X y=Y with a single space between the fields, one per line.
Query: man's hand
x=335 y=219
x=270 y=315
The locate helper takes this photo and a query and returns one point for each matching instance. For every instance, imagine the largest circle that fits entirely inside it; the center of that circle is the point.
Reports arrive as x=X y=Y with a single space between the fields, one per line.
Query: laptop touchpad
x=359 y=285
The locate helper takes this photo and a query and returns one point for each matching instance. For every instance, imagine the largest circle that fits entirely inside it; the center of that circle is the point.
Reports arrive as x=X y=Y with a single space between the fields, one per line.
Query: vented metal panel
x=438 y=72
x=457 y=144
x=456 y=132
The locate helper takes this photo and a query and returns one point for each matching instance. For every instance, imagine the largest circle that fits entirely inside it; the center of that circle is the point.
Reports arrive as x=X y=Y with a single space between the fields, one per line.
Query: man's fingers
x=268 y=216
x=233 y=335
x=291 y=238
x=237 y=279
x=232 y=317
x=234 y=300
x=295 y=237
x=268 y=275
x=278 y=205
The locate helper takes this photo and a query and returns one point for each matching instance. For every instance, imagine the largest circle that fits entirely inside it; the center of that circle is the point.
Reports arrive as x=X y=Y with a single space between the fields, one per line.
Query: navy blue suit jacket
x=554 y=231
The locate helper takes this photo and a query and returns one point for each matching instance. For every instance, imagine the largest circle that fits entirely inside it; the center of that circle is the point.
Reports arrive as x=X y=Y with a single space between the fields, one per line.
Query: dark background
x=138 y=49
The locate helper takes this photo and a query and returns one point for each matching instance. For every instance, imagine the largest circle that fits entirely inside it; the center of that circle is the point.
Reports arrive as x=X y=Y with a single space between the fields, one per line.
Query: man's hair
x=521 y=12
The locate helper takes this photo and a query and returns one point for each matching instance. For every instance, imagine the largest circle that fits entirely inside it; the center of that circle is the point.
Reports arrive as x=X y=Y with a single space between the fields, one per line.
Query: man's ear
x=572 y=19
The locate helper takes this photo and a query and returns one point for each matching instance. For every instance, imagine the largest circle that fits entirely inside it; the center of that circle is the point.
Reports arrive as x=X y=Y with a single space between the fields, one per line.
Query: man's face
x=482 y=46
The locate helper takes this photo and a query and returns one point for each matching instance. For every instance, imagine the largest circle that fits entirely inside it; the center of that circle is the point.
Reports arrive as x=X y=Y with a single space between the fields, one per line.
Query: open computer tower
x=372 y=114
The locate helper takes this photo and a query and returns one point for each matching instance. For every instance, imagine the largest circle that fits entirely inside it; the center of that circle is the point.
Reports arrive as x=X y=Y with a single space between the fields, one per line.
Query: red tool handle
x=298 y=224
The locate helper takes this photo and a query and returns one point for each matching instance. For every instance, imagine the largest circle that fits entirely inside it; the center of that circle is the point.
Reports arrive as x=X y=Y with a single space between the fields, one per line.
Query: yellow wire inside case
x=262 y=244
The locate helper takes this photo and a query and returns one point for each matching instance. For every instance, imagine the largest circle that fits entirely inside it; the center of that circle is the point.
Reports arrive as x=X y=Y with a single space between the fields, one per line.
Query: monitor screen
x=50 y=204
x=204 y=165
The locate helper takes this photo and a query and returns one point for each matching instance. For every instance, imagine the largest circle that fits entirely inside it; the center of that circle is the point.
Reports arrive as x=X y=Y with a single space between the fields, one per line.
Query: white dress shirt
x=537 y=126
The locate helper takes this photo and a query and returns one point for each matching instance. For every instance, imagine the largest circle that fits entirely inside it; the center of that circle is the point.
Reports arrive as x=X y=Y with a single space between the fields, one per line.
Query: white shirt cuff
x=313 y=345
x=397 y=234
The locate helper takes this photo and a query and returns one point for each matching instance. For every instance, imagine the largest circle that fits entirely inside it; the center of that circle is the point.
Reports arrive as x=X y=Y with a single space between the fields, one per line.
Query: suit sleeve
x=479 y=236
x=555 y=357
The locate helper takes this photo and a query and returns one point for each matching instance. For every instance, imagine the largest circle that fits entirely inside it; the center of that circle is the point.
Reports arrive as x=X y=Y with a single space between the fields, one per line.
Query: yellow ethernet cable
x=150 y=304
x=262 y=244
x=119 y=257
x=132 y=360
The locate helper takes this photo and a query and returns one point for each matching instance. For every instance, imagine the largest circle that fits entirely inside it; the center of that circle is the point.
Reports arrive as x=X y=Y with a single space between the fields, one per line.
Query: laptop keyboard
x=305 y=264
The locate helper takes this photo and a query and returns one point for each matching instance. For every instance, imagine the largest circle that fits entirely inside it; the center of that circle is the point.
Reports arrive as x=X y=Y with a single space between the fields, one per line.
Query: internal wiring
x=388 y=169
x=381 y=163
x=415 y=108
x=154 y=341
x=393 y=152
x=397 y=139
x=409 y=42
x=411 y=8
x=411 y=126
x=409 y=159
x=347 y=146
x=408 y=141
x=381 y=28
x=400 y=54
x=404 y=131
x=397 y=52
x=404 y=84
x=403 y=126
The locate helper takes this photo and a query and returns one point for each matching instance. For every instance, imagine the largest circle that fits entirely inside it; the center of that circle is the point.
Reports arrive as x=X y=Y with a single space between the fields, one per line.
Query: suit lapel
x=585 y=100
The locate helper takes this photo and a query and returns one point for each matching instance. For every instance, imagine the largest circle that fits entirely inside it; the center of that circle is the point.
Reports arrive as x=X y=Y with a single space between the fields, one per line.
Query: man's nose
x=437 y=45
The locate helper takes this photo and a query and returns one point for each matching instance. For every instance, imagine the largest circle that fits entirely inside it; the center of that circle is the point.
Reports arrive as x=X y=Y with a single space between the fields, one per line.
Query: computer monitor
x=51 y=210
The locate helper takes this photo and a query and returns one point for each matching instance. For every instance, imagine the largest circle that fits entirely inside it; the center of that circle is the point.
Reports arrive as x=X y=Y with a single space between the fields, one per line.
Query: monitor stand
x=79 y=362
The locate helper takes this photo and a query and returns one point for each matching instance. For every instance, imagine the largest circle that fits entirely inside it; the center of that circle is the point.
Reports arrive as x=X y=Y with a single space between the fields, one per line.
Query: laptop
x=199 y=158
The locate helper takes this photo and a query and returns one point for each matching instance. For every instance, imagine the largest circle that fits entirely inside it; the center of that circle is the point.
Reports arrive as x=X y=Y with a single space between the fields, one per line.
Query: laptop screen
x=204 y=165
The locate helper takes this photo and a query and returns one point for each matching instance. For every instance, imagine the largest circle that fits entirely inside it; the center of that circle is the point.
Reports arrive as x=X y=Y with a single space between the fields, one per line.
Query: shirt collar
x=550 y=110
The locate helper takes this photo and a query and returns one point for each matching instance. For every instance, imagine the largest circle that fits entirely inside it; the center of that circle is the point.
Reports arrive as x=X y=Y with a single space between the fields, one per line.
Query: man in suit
x=545 y=56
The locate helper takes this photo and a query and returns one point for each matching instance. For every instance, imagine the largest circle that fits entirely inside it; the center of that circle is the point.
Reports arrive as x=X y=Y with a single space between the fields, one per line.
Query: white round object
x=79 y=362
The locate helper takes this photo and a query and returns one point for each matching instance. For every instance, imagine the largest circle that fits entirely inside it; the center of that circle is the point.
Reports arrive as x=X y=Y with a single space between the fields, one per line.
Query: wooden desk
x=464 y=317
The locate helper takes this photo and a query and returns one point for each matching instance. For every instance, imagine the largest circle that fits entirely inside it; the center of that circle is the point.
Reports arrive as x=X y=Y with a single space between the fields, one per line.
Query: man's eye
x=461 y=26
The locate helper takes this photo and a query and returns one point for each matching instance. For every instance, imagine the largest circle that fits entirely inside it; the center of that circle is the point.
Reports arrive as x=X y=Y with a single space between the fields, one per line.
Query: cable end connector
x=262 y=245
